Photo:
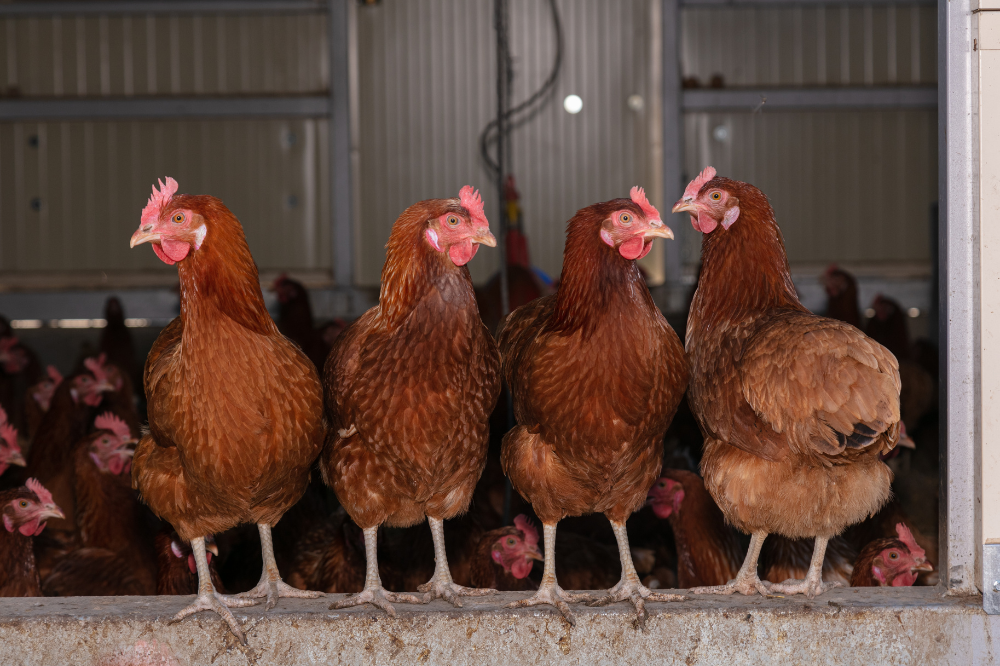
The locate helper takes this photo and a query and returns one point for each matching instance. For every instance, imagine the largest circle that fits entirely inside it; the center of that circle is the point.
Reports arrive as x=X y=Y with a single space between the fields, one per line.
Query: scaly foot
x=637 y=593
x=746 y=585
x=275 y=589
x=553 y=595
x=221 y=605
x=378 y=597
x=809 y=587
x=451 y=591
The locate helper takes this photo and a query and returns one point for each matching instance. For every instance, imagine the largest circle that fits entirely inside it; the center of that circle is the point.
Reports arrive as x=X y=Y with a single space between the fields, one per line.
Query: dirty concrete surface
x=847 y=626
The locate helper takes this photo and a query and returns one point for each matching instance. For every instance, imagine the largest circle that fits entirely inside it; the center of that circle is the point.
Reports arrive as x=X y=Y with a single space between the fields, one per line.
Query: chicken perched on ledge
x=596 y=375
x=24 y=511
x=796 y=409
x=409 y=390
x=235 y=408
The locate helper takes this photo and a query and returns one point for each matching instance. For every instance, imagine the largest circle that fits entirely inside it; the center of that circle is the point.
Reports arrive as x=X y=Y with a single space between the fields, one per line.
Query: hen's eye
x=24 y=504
x=452 y=221
x=893 y=555
x=625 y=218
x=510 y=541
x=716 y=196
x=178 y=218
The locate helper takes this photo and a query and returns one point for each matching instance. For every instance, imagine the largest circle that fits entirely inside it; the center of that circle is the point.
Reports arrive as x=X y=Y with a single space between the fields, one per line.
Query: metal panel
x=33 y=8
x=77 y=188
x=171 y=107
x=151 y=54
x=845 y=186
x=804 y=99
x=424 y=108
x=826 y=44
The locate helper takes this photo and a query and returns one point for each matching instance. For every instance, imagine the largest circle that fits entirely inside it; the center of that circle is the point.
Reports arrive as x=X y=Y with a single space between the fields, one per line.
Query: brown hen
x=795 y=408
x=24 y=511
x=409 y=389
x=596 y=374
x=235 y=408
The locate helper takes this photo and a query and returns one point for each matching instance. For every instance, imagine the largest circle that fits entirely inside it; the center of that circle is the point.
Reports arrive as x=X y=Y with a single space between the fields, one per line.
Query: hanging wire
x=523 y=112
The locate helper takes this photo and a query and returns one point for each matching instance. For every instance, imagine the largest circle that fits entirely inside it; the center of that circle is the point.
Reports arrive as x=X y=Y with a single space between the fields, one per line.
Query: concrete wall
x=852 y=626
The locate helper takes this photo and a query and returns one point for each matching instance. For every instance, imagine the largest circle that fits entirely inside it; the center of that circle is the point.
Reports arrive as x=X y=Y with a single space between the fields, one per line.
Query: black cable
x=489 y=133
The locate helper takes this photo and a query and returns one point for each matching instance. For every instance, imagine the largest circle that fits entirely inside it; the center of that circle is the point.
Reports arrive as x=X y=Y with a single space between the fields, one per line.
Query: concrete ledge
x=865 y=627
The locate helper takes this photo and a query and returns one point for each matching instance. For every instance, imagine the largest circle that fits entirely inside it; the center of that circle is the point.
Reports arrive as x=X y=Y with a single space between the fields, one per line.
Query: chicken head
x=182 y=550
x=10 y=450
x=111 y=446
x=665 y=497
x=632 y=233
x=172 y=231
x=12 y=357
x=516 y=553
x=899 y=564
x=28 y=512
x=43 y=391
x=459 y=235
x=708 y=206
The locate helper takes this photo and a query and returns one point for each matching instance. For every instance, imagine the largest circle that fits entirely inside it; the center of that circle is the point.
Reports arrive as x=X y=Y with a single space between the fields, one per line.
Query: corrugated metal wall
x=163 y=55
x=848 y=186
x=71 y=193
x=845 y=186
x=853 y=45
x=427 y=88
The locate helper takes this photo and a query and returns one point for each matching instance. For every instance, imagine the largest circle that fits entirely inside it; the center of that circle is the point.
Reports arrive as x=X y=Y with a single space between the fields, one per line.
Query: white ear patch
x=175 y=549
x=199 y=236
x=731 y=216
x=432 y=238
x=606 y=237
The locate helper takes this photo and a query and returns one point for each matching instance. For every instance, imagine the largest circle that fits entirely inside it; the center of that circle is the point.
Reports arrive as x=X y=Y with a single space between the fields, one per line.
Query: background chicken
x=116 y=341
x=796 y=408
x=505 y=556
x=596 y=374
x=841 y=295
x=409 y=389
x=890 y=562
x=295 y=320
x=176 y=570
x=115 y=555
x=10 y=448
x=708 y=550
x=235 y=408
x=24 y=512
x=39 y=398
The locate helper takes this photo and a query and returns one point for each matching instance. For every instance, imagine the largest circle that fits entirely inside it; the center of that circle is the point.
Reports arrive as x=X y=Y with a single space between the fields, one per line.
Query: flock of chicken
x=798 y=414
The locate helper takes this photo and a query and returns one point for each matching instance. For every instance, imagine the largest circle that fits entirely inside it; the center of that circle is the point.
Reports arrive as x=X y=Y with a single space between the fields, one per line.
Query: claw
x=554 y=596
x=451 y=591
x=220 y=604
x=378 y=597
x=272 y=590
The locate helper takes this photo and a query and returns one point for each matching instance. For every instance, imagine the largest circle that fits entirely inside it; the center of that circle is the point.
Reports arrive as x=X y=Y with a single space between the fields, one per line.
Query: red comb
x=907 y=537
x=109 y=421
x=639 y=197
x=44 y=496
x=54 y=375
x=694 y=187
x=472 y=202
x=157 y=200
x=96 y=367
x=522 y=523
x=8 y=433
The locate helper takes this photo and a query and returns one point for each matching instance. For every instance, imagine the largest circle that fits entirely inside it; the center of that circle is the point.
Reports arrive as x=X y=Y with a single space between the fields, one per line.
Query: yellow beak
x=658 y=230
x=144 y=235
x=51 y=511
x=684 y=205
x=485 y=238
x=18 y=459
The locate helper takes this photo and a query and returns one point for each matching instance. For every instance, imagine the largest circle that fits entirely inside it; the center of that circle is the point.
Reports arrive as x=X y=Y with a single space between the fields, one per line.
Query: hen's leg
x=208 y=598
x=629 y=587
x=813 y=583
x=271 y=585
x=441 y=585
x=549 y=591
x=747 y=581
x=374 y=593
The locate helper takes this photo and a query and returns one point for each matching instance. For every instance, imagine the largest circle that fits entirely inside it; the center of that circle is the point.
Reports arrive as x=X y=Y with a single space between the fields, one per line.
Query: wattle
x=521 y=568
x=171 y=251
x=703 y=223
x=633 y=248
x=462 y=253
